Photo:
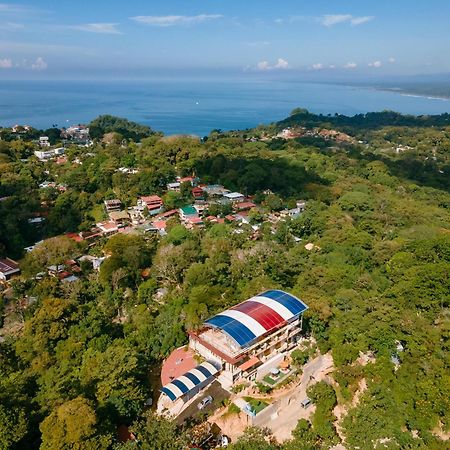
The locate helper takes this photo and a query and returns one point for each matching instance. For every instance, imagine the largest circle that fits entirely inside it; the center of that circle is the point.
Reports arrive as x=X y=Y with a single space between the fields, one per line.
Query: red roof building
x=198 y=193
x=244 y=206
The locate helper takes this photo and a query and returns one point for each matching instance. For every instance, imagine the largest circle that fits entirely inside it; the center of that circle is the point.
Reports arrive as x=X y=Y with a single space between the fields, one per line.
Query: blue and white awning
x=190 y=380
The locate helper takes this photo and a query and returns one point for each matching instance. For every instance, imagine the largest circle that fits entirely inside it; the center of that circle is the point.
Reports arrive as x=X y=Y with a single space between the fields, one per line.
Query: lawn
x=269 y=380
x=257 y=405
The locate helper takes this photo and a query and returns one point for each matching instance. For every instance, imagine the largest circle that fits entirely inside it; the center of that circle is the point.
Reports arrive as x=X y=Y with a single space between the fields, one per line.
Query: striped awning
x=188 y=381
x=258 y=316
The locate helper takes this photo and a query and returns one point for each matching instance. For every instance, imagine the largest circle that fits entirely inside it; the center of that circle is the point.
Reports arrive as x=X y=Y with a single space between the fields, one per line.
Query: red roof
x=195 y=220
x=160 y=224
x=75 y=237
x=152 y=200
x=178 y=363
x=108 y=225
x=244 y=205
x=250 y=363
x=170 y=213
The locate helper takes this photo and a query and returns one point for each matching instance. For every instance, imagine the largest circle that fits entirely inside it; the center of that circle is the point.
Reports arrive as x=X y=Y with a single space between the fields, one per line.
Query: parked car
x=205 y=402
x=223 y=441
x=305 y=403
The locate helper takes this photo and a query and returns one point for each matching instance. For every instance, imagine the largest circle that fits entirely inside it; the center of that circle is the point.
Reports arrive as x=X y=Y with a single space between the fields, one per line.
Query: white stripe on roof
x=198 y=374
x=187 y=382
x=175 y=390
x=210 y=367
x=253 y=325
x=273 y=304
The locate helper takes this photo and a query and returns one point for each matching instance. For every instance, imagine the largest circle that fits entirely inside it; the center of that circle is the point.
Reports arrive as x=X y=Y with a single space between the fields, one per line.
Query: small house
x=187 y=212
x=8 y=268
x=234 y=197
x=153 y=203
x=113 y=205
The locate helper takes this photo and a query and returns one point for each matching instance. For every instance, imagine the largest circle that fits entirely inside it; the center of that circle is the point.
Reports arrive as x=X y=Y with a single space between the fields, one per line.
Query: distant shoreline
x=407 y=92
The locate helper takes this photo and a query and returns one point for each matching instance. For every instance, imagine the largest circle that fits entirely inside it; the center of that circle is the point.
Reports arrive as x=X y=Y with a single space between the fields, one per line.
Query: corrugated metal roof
x=188 y=381
x=258 y=316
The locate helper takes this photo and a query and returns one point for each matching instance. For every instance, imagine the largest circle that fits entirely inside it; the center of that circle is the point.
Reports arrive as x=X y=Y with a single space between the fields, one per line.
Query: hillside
x=80 y=358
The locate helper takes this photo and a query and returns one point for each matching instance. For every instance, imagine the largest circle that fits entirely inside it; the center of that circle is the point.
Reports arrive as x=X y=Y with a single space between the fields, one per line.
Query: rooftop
x=179 y=361
x=260 y=315
x=189 y=211
x=7 y=265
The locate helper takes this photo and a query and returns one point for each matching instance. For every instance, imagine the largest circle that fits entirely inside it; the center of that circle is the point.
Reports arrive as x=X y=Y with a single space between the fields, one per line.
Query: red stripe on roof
x=263 y=314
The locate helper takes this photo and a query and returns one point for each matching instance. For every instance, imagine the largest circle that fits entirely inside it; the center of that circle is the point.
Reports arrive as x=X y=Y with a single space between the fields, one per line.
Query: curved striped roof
x=259 y=315
x=188 y=381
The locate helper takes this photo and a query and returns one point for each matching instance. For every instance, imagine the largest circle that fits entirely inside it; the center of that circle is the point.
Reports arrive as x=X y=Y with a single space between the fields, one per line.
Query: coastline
x=411 y=93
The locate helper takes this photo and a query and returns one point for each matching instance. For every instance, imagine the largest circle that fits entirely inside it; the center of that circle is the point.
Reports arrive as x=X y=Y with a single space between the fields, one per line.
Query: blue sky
x=134 y=38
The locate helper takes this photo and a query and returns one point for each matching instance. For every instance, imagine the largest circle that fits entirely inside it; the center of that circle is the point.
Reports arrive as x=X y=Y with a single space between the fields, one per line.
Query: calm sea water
x=194 y=106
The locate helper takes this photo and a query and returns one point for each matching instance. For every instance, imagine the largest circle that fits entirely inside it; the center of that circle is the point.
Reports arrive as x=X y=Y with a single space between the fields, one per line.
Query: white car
x=205 y=402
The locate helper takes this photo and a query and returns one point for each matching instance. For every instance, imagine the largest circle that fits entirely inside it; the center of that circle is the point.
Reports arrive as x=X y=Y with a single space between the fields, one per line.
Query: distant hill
x=112 y=124
x=373 y=120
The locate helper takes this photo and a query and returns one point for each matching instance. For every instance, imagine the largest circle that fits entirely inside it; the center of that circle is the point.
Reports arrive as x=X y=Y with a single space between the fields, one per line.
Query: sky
x=321 y=39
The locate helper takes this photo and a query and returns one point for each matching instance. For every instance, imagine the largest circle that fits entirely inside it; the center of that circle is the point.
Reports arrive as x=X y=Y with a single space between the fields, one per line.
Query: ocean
x=193 y=106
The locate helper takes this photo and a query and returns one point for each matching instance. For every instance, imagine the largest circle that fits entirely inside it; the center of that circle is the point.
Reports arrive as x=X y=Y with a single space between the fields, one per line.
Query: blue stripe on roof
x=204 y=371
x=182 y=386
x=169 y=393
x=179 y=384
x=290 y=302
x=192 y=377
x=235 y=329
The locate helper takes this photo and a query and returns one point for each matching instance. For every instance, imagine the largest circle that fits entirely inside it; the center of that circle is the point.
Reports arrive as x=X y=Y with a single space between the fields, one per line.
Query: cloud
x=264 y=66
x=101 y=28
x=391 y=60
x=169 y=21
x=376 y=64
x=332 y=19
x=360 y=20
x=329 y=20
x=39 y=64
x=5 y=63
x=350 y=65
x=318 y=66
x=281 y=64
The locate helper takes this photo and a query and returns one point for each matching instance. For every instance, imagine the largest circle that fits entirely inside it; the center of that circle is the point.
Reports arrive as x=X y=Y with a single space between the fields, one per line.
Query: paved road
x=289 y=414
x=216 y=392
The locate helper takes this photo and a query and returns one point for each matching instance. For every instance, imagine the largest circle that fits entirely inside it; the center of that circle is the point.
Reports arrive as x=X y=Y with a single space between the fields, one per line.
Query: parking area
x=218 y=394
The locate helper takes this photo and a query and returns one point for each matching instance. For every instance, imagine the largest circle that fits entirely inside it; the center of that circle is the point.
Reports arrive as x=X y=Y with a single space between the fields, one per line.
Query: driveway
x=285 y=419
x=218 y=394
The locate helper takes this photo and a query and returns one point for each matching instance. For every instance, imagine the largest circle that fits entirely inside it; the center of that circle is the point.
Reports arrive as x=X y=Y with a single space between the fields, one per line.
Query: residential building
x=173 y=186
x=44 y=155
x=153 y=203
x=8 y=268
x=234 y=197
x=187 y=212
x=252 y=338
x=44 y=141
x=215 y=190
x=198 y=193
x=119 y=217
x=108 y=227
x=113 y=205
